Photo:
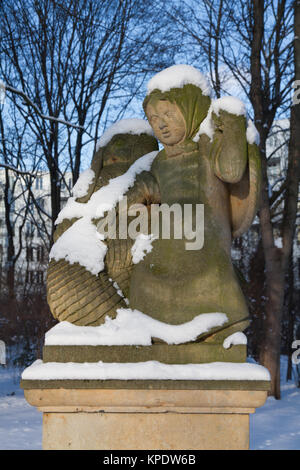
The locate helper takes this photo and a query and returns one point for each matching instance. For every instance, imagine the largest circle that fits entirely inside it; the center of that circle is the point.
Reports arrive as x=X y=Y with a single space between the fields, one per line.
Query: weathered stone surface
x=73 y=293
x=145 y=431
x=177 y=283
x=172 y=283
x=146 y=419
x=147 y=384
x=192 y=353
x=141 y=399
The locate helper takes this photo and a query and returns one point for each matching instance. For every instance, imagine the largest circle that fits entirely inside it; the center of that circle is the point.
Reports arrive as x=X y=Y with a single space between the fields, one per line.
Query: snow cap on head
x=176 y=77
x=125 y=126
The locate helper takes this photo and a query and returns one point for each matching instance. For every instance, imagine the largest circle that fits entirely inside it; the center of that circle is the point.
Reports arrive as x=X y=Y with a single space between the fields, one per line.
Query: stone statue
x=208 y=159
x=224 y=175
x=73 y=293
x=194 y=389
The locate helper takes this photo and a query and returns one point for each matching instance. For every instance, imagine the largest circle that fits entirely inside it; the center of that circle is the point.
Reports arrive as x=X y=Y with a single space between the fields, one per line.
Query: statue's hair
x=158 y=95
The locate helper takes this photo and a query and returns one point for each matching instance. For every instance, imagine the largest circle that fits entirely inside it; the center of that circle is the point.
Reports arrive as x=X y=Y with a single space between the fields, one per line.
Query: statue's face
x=166 y=121
x=126 y=148
x=116 y=151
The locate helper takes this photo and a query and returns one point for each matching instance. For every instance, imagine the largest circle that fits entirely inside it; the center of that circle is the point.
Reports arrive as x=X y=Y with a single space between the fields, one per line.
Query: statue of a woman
x=209 y=159
x=171 y=283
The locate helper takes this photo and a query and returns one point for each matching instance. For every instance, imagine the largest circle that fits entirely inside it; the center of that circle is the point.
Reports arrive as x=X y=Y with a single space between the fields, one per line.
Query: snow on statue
x=210 y=157
x=80 y=288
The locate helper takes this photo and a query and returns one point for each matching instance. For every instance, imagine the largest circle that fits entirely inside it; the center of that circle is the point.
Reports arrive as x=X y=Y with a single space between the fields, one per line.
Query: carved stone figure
x=173 y=284
x=74 y=294
x=179 y=288
x=209 y=158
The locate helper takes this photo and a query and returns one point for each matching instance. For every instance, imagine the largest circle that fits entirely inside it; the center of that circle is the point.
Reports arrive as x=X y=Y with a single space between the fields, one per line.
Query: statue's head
x=125 y=149
x=175 y=115
x=122 y=144
x=167 y=121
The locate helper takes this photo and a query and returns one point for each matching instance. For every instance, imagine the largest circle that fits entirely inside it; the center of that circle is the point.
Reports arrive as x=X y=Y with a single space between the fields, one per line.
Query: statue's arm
x=237 y=163
x=245 y=196
x=144 y=191
x=229 y=147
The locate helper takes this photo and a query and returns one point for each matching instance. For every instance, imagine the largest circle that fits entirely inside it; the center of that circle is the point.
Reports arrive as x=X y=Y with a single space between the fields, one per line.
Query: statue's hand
x=245 y=195
x=229 y=146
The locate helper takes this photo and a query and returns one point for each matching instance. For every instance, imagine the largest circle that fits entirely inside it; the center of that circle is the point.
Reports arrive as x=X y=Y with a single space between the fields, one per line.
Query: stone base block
x=146 y=431
x=145 y=419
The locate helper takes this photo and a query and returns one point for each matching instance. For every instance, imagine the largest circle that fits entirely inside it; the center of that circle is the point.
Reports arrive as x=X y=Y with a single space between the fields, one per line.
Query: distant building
x=277 y=152
x=31 y=227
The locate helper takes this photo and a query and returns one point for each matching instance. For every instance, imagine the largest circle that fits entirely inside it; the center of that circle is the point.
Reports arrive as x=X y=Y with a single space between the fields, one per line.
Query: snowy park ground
x=274 y=426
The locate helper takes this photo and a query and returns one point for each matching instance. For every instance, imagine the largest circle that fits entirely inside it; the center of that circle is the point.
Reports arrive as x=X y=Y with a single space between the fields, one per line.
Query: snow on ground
x=274 y=426
x=20 y=423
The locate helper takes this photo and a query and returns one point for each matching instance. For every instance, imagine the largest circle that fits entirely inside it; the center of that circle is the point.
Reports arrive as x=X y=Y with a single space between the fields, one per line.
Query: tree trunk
x=291 y=317
x=277 y=260
x=270 y=349
x=10 y=251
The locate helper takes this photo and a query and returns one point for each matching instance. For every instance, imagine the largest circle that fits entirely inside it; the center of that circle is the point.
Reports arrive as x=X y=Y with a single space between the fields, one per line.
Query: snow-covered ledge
x=150 y=370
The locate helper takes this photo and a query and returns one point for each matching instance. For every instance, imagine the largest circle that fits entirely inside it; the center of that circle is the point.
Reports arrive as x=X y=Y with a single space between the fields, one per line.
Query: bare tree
x=253 y=42
x=66 y=64
x=204 y=26
x=11 y=150
x=291 y=201
x=269 y=87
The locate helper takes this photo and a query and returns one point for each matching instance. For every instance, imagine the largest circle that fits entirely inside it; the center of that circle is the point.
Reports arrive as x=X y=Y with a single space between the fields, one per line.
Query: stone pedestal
x=145 y=414
x=212 y=415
